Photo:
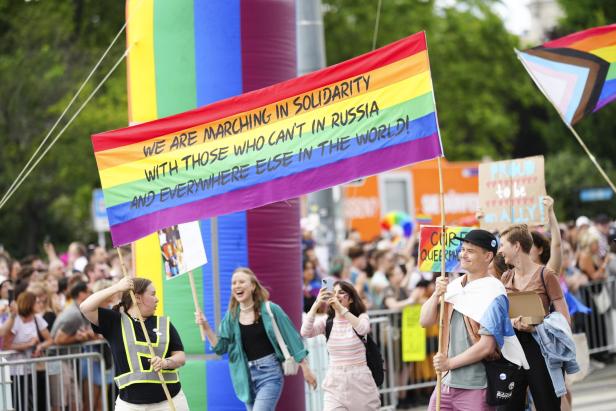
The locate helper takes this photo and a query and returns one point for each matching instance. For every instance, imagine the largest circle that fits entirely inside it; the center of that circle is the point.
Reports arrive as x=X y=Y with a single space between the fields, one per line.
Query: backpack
x=373 y=354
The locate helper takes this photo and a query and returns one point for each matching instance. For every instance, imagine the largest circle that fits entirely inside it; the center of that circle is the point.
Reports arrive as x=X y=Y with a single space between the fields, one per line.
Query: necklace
x=247 y=308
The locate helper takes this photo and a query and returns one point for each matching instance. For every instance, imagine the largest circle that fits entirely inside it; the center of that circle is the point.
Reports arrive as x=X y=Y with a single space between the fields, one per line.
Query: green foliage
x=487 y=104
x=46 y=50
x=566 y=173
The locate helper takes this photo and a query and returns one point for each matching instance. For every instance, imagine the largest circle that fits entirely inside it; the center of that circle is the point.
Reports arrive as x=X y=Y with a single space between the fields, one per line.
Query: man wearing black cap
x=467 y=340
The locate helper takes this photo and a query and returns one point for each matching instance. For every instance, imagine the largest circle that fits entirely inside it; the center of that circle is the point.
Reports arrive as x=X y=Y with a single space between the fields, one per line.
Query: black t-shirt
x=255 y=341
x=110 y=326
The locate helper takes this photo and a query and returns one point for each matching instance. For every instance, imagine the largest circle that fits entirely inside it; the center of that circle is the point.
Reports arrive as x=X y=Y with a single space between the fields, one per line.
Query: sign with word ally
x=430 y=254
x=182 y=248
x=511 y=191
x=413 y=335
x=370 y=114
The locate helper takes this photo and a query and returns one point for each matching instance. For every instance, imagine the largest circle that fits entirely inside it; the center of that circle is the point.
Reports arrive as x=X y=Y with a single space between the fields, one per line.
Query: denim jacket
x=558 y=348
x=230 y=341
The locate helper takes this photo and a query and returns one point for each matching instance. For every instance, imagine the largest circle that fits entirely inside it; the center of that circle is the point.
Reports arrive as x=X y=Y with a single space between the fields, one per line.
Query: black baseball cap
x=481 y=238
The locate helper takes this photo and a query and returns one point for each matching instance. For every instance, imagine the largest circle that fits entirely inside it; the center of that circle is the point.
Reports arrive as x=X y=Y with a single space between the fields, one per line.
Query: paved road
x=597 y=392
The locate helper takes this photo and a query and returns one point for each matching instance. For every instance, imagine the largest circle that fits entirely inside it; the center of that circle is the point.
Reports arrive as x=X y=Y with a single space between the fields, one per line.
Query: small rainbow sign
x=430 y=248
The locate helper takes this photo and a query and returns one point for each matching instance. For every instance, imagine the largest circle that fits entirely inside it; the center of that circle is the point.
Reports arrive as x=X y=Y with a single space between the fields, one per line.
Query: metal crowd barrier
x=62 y=380
x=600 y=325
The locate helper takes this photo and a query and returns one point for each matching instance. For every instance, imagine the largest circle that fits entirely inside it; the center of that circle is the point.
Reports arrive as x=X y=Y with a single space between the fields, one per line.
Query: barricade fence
x=418 y=378
x=71 y=377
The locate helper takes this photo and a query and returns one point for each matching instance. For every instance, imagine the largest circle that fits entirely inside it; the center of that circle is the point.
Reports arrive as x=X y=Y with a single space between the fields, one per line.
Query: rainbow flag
x=430 y=255
x=577 y=73
x=370 y=114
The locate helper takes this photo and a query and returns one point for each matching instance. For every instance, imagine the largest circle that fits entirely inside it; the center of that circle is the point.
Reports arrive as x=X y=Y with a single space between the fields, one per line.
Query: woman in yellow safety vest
x=136 y=370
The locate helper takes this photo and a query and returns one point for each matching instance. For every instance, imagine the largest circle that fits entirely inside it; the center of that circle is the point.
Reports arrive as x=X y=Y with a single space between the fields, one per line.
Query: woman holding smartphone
x=247 y=334
x=349 y=384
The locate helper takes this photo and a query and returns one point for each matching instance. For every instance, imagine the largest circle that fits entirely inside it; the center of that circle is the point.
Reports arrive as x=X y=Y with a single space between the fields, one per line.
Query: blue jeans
x=266 y=383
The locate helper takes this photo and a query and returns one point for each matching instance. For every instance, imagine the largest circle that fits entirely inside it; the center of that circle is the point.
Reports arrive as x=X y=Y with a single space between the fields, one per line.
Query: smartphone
x=328 y=284
x=11 y=295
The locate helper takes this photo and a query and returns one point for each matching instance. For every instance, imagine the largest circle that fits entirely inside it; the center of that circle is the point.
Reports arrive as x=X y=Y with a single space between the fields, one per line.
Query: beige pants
x=179 y=401
x=350 y=388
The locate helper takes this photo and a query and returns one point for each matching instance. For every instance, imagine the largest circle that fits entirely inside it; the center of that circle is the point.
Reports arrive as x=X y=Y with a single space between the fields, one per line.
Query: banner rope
x=18 y=180
x=17 y=183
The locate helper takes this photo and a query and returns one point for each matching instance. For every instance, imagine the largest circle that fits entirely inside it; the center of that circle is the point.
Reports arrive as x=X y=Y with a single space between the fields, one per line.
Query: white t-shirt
x=24 y=332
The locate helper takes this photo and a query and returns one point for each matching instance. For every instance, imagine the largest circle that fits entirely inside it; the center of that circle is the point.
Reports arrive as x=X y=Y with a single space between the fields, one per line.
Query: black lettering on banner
x=287 y=134
x=282 y=110
x=331 y=146
x=250 y=144
x=144 y=200
x=183 y=140
x=304 y=154
x=193 y=186
x=236 y=125
x=156 y=147
x=264 y=165
x=318 y=124
x=331 y=94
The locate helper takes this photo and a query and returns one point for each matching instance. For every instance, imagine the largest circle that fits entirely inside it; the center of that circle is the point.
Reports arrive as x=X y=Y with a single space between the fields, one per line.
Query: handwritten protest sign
x=511 y=191
x=370 y=114
x=413 y=335
x=430 y=248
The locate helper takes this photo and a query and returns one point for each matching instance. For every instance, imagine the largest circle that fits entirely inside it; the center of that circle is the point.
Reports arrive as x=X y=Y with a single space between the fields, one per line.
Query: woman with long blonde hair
x=247 y=333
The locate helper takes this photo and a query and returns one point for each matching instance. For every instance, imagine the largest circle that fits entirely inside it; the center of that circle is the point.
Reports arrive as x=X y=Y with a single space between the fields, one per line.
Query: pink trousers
x=459 y=399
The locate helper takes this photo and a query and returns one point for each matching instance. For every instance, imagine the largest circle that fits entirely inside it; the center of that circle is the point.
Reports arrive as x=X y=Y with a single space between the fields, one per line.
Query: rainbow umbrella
x=399 y=219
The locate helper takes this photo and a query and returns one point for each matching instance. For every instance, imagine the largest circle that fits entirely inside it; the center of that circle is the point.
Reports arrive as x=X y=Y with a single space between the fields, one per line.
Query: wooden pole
x=145 y=333
x=196 y=301
x=439 y=375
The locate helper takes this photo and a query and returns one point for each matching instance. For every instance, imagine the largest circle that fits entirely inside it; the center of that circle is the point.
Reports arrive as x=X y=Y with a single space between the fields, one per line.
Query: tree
x=46 y=50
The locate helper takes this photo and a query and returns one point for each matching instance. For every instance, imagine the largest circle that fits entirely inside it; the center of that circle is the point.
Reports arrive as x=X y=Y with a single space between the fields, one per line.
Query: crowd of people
x=39 y=307
x=80 y=296
x=572 y=261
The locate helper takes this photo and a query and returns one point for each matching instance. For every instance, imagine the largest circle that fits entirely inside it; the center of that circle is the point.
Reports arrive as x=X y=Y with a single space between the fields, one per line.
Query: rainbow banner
x=370 y=114
x=577 y=73
x=430 y=248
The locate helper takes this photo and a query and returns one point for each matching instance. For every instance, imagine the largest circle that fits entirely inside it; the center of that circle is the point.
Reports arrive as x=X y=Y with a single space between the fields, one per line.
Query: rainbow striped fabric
x=577 y=73
x=370 y=114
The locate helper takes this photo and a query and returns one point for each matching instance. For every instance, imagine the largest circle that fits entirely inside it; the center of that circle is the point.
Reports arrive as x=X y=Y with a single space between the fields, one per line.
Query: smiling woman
x=248 y=333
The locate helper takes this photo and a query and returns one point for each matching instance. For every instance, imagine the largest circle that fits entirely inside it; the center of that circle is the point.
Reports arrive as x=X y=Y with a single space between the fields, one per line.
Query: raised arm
x=89 y=307
x=556 y=253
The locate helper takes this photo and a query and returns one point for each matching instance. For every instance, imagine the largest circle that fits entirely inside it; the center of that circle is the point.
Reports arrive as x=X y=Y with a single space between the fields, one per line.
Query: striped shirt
x=344 y=346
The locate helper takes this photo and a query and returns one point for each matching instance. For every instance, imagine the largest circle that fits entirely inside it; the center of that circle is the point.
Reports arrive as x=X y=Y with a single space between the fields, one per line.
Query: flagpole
x=569 y=126
x=191 y=279
x=439 y=375
x=145 y=333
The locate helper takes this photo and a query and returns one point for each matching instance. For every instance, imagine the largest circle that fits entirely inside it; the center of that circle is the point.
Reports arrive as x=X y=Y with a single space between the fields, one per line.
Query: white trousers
x=180 y=402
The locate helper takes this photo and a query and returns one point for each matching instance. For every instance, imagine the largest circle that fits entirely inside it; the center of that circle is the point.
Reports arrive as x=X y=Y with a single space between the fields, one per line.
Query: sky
x=515 y=14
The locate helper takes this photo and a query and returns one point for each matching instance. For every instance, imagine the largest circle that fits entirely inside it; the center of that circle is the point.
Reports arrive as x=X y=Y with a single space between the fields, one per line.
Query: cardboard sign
x=511 y=191
x=430 y=248
x=413 y=335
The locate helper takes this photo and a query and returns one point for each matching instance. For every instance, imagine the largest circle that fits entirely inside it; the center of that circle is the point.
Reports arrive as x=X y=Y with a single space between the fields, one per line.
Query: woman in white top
x=349 y=384
x=29 y=337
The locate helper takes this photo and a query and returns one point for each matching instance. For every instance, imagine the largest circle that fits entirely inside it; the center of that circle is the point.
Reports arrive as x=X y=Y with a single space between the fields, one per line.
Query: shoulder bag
x=289 y=366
